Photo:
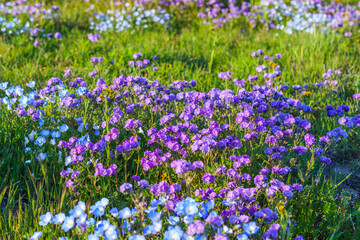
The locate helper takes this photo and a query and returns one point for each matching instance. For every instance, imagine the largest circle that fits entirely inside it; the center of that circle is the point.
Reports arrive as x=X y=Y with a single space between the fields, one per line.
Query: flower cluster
x=202 y=163
x=307 y=16
x=137 y=16
x=172 y=217
x=18 y=17
x=138 y=63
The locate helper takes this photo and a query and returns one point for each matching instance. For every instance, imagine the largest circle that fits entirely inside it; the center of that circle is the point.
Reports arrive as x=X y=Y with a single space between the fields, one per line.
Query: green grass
x=192 y=52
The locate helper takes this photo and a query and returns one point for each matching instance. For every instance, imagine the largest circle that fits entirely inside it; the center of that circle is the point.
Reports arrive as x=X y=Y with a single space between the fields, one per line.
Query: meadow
x=179 y=120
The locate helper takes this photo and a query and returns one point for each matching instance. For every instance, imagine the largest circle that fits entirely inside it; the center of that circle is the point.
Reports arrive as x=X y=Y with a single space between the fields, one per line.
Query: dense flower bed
x=186 y=164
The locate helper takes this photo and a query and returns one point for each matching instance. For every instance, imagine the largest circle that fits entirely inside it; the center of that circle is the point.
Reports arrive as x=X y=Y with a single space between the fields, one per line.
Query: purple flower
x=221 y=236
x=125 y=187
x=92 y=74
x=300 y=150
x=143 y=183
x=216 y=220
x=64 y=173
x=67 y=73
x=325 y=160
x=36 y=43
x=93 y=37
x=57 y=35
x=309 y=139
x=197 y=227
x=69 y=183
x=225 y=75
x=208 y=178
x=135 y=178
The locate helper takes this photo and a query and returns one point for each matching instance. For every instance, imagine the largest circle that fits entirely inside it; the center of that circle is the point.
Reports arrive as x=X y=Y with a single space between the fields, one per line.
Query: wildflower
x=58 y=219
x=45 y=219
x=36 y=236
x=242 y=237
x=124 y=213
x=125 y=187
x=93 y=37
x=69 y=223
x=30 y=84
x=136 y=237
x=220 y=236
x=173 y=233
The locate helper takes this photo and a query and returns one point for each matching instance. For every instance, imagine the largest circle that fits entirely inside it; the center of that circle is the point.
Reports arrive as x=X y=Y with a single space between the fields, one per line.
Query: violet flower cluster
x=201 y=162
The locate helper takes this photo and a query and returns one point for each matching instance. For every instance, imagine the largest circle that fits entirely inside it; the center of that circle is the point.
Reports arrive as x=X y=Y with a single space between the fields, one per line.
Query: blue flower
x=153 y=228
x=92 y=237
x=45 y=133
x=250 y=228
x=229 y=202
x=3 y=85
x=39 y=234
x=69 y=223
x=126 y=227
x=242 y=237
x=68 y=160
x=58 y=219
x=90 y=222
x=210 y=205
x=9 y=91
x=31 y=84
x=18 y=91
x=136 y=237
x=77 y=211
x=124 y=213
x=42 y=156
x=45 y=219
x=63 y=128
x=81 y=91
x=53 y=141
x=154 y=216
x=102 y=226
x=173 y=233
x=114 y=212
x=173 y=220
x=111 y=233
x=32 y=135
x=99 y=208
x=188 y=207
x=40 y=141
